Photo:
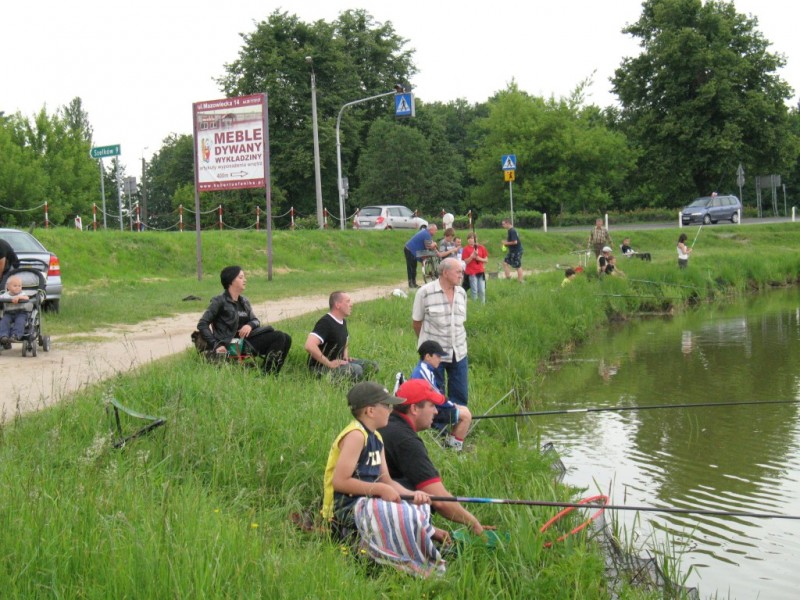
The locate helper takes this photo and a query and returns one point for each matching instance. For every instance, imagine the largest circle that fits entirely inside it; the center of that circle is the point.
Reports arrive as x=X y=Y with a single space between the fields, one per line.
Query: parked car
x=390 y=216
x=32 y=253
x=710 y=209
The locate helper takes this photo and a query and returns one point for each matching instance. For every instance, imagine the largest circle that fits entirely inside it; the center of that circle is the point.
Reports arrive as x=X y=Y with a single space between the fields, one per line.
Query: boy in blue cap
x=457 y=417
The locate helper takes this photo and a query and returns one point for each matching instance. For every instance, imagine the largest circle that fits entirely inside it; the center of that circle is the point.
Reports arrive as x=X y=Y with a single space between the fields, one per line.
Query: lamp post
x=315 y=126
x=339 y=182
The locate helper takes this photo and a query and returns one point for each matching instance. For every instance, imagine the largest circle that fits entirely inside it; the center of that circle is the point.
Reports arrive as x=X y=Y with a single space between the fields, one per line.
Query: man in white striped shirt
x=439 y=314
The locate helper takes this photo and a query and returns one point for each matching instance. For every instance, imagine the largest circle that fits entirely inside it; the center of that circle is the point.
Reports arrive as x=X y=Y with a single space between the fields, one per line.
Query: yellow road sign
x=509 y=175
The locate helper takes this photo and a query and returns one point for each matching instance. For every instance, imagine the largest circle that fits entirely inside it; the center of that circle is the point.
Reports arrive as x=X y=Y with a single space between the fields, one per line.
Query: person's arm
x=417 y=327
x=453 y=511
x=2 y=265
x=312 y=346
x=418 y=497
x=350 y=448
x=204 y=324
x=252 y=320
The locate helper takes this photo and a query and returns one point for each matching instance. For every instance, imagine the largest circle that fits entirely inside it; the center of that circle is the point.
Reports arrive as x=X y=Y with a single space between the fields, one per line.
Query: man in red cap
x=406 y=455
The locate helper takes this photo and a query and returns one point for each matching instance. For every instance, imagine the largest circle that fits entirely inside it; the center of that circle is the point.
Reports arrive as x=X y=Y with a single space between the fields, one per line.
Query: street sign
x=404 y=105
x=509 y=175
x=104 y=151
x=740 y=176
x=509 y=162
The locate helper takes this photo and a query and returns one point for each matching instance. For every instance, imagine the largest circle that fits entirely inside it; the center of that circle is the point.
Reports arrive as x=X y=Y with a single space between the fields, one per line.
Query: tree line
x=702 y=96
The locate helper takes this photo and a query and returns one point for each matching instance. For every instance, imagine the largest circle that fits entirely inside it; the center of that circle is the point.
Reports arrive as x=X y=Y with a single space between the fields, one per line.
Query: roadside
x=33 y=383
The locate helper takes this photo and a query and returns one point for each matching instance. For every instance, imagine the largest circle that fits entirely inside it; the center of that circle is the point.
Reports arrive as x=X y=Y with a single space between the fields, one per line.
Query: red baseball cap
x=415 y=391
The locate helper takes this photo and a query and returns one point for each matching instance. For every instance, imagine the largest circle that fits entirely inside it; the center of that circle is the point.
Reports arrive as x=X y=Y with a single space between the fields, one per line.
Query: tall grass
x=200 y=507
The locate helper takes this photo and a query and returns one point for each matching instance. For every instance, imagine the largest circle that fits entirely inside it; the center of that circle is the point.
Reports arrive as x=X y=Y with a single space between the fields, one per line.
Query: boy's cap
x=415 y=391
x=431 y=347
x=367 y=393
x=606 y=249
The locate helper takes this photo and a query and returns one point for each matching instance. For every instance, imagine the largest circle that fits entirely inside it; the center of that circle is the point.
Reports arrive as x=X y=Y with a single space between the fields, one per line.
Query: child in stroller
x=21 y=305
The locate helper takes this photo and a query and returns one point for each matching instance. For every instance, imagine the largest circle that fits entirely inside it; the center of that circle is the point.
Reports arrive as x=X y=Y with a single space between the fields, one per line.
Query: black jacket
x=220 y=322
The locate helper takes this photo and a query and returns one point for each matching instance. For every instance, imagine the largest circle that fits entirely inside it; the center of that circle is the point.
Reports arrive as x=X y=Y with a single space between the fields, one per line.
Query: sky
x=138 y=65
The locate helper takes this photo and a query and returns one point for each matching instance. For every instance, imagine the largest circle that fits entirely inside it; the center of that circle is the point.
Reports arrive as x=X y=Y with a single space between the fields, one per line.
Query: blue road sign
x=404 y=105
x=509 y=162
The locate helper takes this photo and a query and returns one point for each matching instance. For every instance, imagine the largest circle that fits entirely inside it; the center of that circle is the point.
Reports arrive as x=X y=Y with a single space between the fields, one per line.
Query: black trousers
x=272 y=344
x=411 y=266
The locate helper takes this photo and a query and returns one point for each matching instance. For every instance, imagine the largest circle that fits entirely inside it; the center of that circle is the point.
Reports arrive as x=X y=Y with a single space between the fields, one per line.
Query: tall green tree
x=567 y=158
x=353 y=58
x=701 y=97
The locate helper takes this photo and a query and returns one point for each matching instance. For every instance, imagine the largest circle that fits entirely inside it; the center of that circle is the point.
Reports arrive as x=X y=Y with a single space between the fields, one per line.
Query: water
x=738 y=458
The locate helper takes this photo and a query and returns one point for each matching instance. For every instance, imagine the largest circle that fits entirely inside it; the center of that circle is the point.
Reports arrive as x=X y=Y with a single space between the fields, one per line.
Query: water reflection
x=740 y=458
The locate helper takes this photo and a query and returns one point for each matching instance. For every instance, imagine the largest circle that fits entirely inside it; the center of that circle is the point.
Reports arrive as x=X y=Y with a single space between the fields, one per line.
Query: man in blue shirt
x=422 y=240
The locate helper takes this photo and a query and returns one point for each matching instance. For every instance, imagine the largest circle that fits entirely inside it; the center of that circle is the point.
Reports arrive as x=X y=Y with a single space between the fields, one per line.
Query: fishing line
x=692 y=287
x=491 y=408
x=697 y=235
x=584 y=504
x=566 y=411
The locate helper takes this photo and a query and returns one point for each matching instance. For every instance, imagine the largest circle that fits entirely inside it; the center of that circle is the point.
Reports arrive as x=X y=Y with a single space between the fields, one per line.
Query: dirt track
x=36 y=382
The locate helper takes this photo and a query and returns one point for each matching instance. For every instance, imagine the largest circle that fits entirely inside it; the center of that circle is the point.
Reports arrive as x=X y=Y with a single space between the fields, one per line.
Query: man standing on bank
x=599 y=237
x=328 y=343
x=422 y=240
x=439 y=314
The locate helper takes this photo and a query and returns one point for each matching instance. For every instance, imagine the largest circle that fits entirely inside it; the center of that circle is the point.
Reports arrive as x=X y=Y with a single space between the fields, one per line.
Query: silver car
x=31 y=253
x=390 y=216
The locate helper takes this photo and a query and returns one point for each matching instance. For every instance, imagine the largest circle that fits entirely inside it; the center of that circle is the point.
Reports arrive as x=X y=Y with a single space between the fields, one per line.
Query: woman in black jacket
x=229 y=317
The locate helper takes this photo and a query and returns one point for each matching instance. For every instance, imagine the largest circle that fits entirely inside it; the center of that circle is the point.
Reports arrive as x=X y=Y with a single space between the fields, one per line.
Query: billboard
x=231 y=143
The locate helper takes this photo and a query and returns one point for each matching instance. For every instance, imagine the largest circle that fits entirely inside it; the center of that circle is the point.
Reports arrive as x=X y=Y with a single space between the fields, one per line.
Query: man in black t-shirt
x=406 y=454
x=8 y=260
x=328 y=343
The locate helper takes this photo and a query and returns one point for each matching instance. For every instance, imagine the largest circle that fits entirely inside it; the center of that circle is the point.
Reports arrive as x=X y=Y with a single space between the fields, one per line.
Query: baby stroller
x=33 y=286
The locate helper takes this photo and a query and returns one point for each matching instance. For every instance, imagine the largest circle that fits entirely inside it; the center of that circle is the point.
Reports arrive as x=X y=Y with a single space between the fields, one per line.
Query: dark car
x=31 y=253
x=711 y=209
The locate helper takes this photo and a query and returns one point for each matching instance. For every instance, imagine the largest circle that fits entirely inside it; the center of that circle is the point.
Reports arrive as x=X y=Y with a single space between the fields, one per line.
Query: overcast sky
x=139 y=64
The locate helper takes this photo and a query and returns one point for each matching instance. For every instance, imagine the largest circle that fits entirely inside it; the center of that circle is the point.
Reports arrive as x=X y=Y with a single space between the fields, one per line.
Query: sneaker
x=451 y=442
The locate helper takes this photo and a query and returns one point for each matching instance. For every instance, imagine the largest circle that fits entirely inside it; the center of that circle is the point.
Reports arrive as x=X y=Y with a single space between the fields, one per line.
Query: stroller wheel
x=45 y=340
x=24 y=349
x=34 y=347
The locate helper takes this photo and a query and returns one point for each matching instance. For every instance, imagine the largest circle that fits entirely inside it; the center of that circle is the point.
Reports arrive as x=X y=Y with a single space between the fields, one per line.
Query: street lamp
x=315 y=126
x=397 y=89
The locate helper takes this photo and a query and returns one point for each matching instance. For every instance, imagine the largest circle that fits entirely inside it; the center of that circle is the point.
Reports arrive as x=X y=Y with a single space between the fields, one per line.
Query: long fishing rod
x=566 y=411
x=697 y=235
x=491 y=408
x=640 y=296
x=666 y=509
x=691 y=287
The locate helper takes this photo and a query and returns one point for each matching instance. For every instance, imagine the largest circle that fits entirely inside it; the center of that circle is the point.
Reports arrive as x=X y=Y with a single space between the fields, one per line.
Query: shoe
x=4 y=340
x=412 y=286
x=451 y=442
x=15 y=338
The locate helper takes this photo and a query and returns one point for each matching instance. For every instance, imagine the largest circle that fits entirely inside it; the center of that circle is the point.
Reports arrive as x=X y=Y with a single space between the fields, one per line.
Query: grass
x=200 y=507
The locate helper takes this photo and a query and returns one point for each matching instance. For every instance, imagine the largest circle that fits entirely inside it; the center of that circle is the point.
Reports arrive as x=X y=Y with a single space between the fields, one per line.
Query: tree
x=567 y=158
x=353 y=58
x=701 y=97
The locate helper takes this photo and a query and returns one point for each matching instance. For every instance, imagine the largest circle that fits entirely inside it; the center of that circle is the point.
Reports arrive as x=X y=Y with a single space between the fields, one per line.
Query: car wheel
x=52 y=306
x=707 y=220
x=735 y=217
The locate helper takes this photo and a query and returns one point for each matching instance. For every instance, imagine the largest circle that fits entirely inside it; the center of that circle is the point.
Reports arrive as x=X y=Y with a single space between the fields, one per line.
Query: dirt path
x=44 y=380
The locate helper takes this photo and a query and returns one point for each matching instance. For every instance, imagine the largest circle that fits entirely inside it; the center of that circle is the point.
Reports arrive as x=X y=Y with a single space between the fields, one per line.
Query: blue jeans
x=457 y=373
x=477 y=285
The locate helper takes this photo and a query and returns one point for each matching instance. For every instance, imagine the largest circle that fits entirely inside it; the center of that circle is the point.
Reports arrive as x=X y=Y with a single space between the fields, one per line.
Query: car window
x=406 y=212
x=22 y=242
x=370 y=211
x=395 y=212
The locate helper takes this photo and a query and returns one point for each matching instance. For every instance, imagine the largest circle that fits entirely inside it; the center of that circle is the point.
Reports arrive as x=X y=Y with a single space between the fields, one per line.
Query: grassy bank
x=200 y=507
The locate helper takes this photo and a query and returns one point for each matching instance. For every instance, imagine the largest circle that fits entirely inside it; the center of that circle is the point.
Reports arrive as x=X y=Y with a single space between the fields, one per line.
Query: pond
x=729 y=458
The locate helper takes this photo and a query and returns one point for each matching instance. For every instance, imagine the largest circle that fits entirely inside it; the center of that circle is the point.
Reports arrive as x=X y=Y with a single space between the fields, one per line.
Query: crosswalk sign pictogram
x=404 y=105
x=509 y=162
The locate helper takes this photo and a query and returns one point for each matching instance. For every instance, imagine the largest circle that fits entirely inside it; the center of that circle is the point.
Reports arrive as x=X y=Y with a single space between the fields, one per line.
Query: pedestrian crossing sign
x=509 y=162
x=404 y=105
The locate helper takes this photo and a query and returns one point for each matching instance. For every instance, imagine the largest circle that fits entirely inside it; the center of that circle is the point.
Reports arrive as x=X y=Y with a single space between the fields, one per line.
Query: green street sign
x=103 y=151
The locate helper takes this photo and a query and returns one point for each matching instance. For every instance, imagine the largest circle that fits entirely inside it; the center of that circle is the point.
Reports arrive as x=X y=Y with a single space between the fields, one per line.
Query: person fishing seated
x=629 y=252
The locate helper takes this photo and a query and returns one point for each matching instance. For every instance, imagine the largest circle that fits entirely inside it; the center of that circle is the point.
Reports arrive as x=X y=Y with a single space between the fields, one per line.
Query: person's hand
x=338 y=362
x=221 y=349
x=421 y=498
x=478 y=529
x=441 y=535
x=245 y=331
x=385 y=492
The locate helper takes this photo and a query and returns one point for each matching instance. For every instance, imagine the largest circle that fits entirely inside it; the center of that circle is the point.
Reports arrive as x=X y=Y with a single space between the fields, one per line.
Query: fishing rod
x=491 y=408
x=666 y=509
x=566 y=411
x=640 y=296
x=692 y=287
x=697 y=235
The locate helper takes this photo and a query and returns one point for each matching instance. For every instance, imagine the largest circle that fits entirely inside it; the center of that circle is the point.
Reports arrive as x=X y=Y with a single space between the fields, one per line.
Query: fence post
x=291 y=218
x=180 y=217
x=94 y=216
x=220 y=217
x=258 y=217
x=544 y=222
x=324 y=218
x=138 y=220
x=680 y=221
x=46 y=220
